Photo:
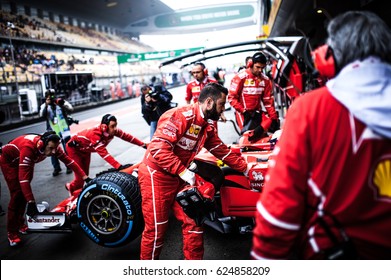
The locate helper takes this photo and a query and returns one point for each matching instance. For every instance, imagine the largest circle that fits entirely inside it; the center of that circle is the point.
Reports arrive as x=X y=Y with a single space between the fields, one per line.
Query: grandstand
x=41 y=46
x=61 y=47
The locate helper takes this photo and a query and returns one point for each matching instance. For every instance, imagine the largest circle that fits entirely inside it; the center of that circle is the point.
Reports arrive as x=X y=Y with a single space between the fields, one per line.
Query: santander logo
x=44 y=220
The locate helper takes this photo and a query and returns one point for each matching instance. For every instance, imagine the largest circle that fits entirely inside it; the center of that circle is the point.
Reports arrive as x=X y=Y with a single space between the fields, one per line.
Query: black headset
x=204 y=69
x=46 y=138
x=106 y=119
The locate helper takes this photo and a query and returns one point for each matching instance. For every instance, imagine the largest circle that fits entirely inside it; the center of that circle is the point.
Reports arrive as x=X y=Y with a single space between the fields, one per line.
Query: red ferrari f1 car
x=108 y=208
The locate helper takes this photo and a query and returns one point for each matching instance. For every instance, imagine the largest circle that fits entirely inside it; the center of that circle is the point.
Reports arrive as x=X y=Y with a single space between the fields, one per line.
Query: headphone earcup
x=249 y=63
x=206 y=72
x=40 y=144
x=103 y=127
x=324 y=61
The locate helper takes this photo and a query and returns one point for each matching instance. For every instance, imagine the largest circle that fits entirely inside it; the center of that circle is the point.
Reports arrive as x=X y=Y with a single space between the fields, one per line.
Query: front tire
x=109 y=209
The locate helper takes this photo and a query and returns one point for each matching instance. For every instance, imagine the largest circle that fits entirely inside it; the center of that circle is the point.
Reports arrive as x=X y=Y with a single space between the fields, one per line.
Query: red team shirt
x=182 y=136
x=318 y=170
x=194 y=88
x=22 y=154
x=94 y=140
x=247 y=91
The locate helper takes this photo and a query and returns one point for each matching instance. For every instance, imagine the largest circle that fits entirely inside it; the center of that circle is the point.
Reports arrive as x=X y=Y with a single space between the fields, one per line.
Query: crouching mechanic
x=17 y=161
x=95 y=140
x=180 y=135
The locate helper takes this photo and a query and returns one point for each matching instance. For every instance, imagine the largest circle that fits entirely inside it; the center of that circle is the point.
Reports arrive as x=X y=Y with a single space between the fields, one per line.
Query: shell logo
x=381 y=177
x=194 y=130
x=249 y=82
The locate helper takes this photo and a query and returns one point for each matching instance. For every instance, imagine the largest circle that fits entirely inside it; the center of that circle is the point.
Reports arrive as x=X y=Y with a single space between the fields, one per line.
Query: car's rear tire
x=109 y=209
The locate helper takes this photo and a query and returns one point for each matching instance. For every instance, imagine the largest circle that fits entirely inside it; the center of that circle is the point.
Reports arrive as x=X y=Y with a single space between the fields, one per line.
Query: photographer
x=157 y=101
x=67 y=109
x=56 y=121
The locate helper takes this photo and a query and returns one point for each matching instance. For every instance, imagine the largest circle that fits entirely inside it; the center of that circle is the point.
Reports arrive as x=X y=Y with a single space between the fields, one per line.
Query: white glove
x=188 y=176
x=249 y=166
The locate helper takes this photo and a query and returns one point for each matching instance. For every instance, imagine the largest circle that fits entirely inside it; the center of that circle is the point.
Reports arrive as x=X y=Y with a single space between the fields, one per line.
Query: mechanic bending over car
x=95 y=140
x=328 y=194
x=17 y=161
x=249 y=89
x=180 y=135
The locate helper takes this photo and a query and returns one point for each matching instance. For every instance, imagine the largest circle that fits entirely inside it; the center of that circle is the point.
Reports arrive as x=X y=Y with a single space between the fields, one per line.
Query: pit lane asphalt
x=76 y=245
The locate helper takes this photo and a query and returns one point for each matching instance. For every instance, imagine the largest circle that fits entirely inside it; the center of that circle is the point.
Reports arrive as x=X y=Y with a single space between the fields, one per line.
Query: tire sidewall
x=114 y=192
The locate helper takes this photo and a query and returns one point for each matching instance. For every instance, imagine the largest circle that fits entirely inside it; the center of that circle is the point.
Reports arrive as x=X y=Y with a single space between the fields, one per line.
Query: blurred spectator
x=219 y=75
x=112 y=89
x=118 y=90
x=157 y=101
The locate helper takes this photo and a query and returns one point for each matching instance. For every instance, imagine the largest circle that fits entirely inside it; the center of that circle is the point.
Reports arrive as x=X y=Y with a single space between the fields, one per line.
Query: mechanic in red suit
x=17 y=161
x=193 y=89
x=327 y=193
x=201 y=78
x=180 y=135
x=95 y=140
x=248 y=90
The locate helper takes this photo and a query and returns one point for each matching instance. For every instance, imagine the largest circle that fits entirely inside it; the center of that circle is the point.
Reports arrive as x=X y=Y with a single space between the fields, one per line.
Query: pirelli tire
x=109 y=209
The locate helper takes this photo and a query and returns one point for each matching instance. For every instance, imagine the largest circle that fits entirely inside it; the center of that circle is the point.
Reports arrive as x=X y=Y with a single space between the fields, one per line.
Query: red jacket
x=326 y=164
x=22 y=153
x=247 y=91
x=94 y=140
x=194 y=88
x=180 y=135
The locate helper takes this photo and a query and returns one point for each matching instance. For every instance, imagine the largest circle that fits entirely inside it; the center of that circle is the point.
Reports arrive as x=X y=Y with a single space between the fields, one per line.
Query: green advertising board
x=205 y=16
x=134 y=57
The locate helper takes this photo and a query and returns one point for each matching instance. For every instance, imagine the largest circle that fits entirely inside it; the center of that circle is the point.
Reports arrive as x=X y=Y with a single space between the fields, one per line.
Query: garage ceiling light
x=111 y=4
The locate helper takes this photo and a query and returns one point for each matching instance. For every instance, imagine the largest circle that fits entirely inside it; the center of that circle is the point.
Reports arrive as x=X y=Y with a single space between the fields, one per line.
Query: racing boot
x=23 y=229
x=14 y=238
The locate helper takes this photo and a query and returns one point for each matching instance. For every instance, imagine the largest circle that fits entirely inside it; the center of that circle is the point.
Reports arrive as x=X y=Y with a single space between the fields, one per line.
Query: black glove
x=87 y=180
x=123 y=166
x=274 y=126
x=251 y=120
x=257 y=134
x=31 y=209
x=247 y=116
x=73 y=144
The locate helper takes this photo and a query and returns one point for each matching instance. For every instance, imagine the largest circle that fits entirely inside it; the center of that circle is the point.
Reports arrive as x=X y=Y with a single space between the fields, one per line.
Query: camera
x=60 y=101
x=154 y=94
x=71 y=120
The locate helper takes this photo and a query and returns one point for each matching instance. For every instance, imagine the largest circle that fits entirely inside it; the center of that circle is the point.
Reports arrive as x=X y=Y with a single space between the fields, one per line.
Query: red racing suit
x=327 y=164
x=246 y=93
x=93 y=140
x=194 y=88
x=180 y=135
x=17 y=161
